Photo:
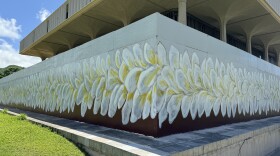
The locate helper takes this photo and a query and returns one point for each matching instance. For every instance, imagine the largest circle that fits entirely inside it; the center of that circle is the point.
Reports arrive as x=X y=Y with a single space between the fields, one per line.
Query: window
x=48 y=23
x=67 y=11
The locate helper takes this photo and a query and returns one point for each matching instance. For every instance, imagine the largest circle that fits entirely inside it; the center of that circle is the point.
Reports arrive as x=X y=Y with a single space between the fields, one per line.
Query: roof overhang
x=270 y=9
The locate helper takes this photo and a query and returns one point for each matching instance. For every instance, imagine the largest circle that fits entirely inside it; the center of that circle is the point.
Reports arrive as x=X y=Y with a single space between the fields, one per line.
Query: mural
x=147 y=82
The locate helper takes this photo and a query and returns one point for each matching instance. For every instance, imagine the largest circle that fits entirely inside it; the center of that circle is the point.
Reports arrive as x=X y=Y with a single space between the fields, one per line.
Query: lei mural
x=145 y=82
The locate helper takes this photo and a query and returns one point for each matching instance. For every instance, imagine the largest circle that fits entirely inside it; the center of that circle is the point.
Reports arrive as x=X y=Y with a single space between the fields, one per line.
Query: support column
x=223 y=30
x=249 y=44
x=43 y=58
x=266 y=47
x=182 y=11
x=278 y=59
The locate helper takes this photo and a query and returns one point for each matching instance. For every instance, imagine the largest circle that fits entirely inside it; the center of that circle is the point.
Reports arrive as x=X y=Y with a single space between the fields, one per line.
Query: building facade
x=168 y=66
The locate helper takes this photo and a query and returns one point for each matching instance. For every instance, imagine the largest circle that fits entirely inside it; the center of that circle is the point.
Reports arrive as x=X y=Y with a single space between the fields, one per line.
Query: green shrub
x=22 y=116
x=5 y=111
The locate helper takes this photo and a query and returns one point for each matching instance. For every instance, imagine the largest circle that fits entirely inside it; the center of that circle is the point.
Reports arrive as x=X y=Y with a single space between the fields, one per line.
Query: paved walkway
x=164 y=145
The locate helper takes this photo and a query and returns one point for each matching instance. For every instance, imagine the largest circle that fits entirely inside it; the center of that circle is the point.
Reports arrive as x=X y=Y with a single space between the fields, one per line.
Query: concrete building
x=251 y=25
x=124 y=64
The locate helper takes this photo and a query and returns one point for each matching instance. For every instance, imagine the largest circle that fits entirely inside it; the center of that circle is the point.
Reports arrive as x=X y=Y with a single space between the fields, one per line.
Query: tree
x=9 y=70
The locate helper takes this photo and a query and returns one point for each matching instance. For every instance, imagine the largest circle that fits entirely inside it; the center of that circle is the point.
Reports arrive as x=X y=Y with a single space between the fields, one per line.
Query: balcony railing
x=68 y=9
x=275 y=5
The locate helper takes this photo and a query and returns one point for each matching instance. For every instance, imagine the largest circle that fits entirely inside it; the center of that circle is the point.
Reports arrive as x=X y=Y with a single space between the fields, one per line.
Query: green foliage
x=21 y=137
x=5 y=111
x=22 y=116
x=9 y=70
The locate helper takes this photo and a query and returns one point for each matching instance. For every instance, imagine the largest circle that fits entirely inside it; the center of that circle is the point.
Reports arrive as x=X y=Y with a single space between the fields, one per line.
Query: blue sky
x=17 y=19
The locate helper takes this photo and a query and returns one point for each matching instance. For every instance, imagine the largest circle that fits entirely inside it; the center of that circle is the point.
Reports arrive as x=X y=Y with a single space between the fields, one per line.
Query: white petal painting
x=147 y=81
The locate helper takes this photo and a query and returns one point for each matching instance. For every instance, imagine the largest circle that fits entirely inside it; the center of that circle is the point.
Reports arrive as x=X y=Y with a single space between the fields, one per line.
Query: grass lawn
x=23 y=138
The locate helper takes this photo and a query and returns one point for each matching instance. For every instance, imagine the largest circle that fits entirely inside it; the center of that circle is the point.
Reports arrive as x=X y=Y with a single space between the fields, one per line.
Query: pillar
x=223 y=30
x=278 y=59
x=266 y=47
x=249 y=44
x=182 y=11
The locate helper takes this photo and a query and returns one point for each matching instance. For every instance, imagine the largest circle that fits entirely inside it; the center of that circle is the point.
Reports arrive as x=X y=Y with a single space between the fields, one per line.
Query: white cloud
x=43 y=14
x=9 y=28
x=9 y=56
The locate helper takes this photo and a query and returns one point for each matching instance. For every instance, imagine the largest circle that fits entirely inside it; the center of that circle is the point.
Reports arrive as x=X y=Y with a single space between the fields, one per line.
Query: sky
x=17 y=19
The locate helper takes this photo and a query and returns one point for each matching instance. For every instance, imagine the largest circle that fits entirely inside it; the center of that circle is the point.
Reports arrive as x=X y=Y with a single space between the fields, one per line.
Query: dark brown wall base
x=150 y=126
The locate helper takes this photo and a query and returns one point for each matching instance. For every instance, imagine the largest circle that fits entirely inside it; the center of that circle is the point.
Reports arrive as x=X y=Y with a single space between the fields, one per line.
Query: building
x=253 y=28
x=121 y=64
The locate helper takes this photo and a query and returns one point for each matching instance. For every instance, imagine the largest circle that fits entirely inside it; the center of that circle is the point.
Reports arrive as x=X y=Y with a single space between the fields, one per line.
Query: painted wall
x=158 y=72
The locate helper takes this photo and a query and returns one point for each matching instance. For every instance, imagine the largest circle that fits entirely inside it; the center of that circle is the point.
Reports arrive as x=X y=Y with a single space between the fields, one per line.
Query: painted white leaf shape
x=104 y=66
x=161 y=83
x=147 y=106
x=216 y=107
x=113 y=79
x=94 y=87
x=108 y=61
x=224 y=106
x=169 y=76
x=147 y=79
x=127 y=108
x=87 y=102
x=157 y=101
x=239 y=105
x=182 y=81
x=118 y=59
x=196 y=76
x=113 y=102
x=213 y=78
x=193 y=109
x=105 y=102
x=195 y=60
x=174 y=57
x=206 y=81
x=222 y=69
x=98 y=96
x=162 y=60
x=139 y=56
x=124 y=70
x=234 y=107
x=128 y=58
x=201 y=101
x=208 y=105
x=122 y=94
x=247 y=105
x=162 y=116
x=98 y=65
x=132 y=79
x=185 y=62
x=173 y=107
x=187 y=101
x=117 y=100
x=203 y=67
x=149 y=54
x=137 y=108
x=72 y=102
x=228 y=108
x=88 y=83
x=122 y=99
x=81 y=93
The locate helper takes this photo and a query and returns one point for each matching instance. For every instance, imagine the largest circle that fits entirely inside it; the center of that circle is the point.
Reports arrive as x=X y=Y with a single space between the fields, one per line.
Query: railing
x=68 y=9
x=275 y=4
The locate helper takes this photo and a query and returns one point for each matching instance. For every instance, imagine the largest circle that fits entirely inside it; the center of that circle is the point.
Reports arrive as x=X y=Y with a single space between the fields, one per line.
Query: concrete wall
x=155 y=68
